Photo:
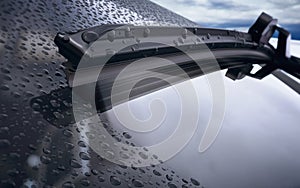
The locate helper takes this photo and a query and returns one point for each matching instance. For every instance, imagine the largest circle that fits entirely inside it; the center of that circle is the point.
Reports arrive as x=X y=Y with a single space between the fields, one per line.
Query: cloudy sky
x=236 y=13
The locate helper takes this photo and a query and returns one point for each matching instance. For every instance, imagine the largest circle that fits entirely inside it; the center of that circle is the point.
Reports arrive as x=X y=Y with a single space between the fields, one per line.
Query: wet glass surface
x=40 y=145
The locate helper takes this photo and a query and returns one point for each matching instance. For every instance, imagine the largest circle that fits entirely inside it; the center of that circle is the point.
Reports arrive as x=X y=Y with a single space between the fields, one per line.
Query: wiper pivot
x=262 y=30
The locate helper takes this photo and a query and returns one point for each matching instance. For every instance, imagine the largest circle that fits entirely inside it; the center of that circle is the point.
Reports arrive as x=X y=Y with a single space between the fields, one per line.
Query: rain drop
x=115 y=180
x=137 y=183
x=84 y=156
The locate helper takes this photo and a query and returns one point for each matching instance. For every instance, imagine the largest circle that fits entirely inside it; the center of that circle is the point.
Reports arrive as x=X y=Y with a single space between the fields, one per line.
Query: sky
x=237 y=14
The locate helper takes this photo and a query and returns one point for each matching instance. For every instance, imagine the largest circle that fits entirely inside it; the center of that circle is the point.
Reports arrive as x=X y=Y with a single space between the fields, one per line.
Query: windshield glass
x=204 y=130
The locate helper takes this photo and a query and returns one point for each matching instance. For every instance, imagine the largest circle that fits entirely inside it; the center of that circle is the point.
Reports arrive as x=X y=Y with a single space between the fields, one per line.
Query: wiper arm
x=233 y=50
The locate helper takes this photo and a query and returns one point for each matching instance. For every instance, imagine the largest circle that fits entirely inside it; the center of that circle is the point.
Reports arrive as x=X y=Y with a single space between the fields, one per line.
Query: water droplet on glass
x=105 y=146
x=13 y=172
x=169 y=177
x=81 y=144
x=94 y=171
x=184 y=181
x=4 y=143
x=137 y=183
x=126 y=135
x=101 y=179
x=90 y=36
x=84 y=156
x=171 y=185
x=143 y=155
x=68 y=184
x=124 y=155
x=115 y=180
x=85 y=182
x=45 y=159
x=155 y=172
x=195 y=182
x=109 y=154
x=46 y=151
x=67 y=133
x=75 y=164
x=69 y=145
x=5 y=70
x=4 y=87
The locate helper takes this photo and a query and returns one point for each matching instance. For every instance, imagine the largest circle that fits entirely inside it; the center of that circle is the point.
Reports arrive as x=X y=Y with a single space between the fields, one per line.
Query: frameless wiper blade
x=74 y=46
x=233 y=50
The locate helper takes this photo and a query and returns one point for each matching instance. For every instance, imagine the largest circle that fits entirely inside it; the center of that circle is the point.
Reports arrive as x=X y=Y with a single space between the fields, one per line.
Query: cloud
x=217 y=11
x=228 y=5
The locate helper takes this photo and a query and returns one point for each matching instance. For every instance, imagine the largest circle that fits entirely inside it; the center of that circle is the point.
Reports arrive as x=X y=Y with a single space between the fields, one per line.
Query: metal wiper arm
x=235 y=51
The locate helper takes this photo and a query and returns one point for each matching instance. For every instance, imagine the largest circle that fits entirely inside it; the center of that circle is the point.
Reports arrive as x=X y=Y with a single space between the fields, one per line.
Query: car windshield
x=139 y=93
